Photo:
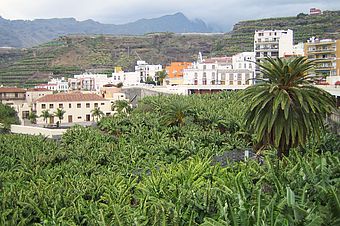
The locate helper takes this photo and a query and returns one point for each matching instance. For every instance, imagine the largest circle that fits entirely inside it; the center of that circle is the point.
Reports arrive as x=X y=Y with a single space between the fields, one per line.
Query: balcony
x=321 y=51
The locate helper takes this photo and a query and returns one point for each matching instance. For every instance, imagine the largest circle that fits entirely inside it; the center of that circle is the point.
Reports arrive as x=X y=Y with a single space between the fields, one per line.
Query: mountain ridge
x=29 y=33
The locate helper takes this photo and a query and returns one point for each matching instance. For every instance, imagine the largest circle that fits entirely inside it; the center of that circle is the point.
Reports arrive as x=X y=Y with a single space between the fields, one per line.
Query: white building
x=77 y=106
x=272 y=43
x=127 y=78
x=88 y=81
x=233 y=71
x=244 y=60
x=146 y=71
x=55 y=84
x=204 y=72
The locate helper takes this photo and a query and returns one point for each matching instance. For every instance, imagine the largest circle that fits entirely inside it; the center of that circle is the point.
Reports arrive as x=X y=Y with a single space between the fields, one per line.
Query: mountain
x=72 y=54
x=26 y=33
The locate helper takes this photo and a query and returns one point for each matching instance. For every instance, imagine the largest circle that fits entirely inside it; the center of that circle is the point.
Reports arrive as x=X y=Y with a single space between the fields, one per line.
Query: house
x=12 y=95
x=87 y=81
x=77 y=106
x=315 y=11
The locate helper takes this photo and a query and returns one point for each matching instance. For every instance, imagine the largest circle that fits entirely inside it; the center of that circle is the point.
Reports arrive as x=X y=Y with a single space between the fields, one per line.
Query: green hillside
x=75 y=54
x=304 y=26
x=69 y=55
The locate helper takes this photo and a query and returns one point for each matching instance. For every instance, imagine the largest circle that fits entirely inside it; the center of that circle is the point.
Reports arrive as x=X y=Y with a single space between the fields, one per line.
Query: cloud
x=221 y=12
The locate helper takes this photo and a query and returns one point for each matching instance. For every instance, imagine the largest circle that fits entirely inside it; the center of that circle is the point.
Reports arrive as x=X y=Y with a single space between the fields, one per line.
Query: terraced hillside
x=304 y=26
x=68 y=55
x=74 y=54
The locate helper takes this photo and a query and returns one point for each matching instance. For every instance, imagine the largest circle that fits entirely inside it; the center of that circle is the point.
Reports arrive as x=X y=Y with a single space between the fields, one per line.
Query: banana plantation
x=161 y=164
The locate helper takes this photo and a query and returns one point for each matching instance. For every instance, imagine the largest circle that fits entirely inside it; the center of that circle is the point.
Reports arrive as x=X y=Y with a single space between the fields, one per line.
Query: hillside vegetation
x=147 y=168
x=304 y=26
x=68 y=55
x=74 y=54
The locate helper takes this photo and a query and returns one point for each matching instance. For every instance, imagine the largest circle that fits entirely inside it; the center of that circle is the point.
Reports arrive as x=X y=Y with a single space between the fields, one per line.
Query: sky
x=222 y=13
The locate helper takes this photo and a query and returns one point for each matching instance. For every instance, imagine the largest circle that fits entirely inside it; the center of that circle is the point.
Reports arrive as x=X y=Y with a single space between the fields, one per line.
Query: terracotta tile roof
x=11 y=90
x=70 y=97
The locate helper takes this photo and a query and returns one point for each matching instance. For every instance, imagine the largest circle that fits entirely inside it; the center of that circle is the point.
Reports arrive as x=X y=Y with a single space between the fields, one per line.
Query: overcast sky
x=223 y=13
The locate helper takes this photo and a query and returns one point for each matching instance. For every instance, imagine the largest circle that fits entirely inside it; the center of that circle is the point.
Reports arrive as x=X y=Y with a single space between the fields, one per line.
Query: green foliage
x=133 y=171
x=8 y=116
x=59 y=113
x=286 y=109
x=121 y=106
x=97 y=113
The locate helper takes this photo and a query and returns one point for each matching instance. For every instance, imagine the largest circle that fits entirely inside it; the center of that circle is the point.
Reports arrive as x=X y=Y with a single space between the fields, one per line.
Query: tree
x=97 y=113
x=32 y=116
x=121 y=106
x=176 y=113
x=285 y=109
x=161 y=76
x=8 y=116
x=60 y=114
x=45 y=114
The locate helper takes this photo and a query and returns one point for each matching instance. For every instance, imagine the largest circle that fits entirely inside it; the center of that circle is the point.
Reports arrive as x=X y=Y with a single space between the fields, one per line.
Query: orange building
x=175 y=70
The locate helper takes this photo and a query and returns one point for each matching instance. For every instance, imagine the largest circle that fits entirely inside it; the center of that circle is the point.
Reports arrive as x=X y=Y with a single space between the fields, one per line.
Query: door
x=52 y=120
x=70 y=118
x=88 y=118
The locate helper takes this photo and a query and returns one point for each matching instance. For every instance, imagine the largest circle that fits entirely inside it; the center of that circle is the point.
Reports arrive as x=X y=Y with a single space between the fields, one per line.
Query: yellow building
x=326 y=54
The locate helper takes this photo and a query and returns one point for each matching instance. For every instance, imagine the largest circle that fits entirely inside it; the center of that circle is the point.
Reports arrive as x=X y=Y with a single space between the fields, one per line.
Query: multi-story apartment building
x=326 y=54
x=77 y=106
x=272 y=43
x=146 y=70
x=231 y=71
x=205 y=72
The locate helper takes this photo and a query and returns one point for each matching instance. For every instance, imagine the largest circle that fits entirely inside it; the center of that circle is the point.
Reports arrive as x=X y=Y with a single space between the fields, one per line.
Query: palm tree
x=60 y=114
x=96 y=112
x=45 y=114
x=285 y=109
x=161 y=76
x=176 y=113
x=121 y=106
x=32 y=116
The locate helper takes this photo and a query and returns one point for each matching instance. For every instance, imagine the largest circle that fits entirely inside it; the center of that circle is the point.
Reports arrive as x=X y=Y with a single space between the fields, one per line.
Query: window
x=95 y=105
x=87 y=105
x=250 y=66
x=61 y=105
x=108 y=114
x=102 y=103
x=16 y=95
x=51 y=106
x=231 y=77
x=213 y=67
x=69 y=105
x=204 y=67
x=43 y=106
x=239 y=76
x=78 y=105
x=238 y=82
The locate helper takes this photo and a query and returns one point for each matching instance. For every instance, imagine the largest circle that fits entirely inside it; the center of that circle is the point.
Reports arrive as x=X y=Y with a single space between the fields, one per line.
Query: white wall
x=30 y=130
